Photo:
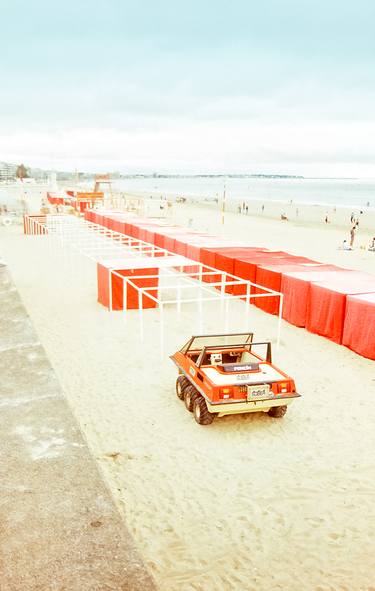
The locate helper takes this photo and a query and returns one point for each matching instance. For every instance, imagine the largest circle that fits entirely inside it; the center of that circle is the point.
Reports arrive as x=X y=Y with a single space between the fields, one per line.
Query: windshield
x=199 y=342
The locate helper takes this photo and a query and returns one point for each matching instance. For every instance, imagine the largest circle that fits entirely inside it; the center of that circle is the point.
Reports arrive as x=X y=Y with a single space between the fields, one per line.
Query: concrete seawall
x=59 y=527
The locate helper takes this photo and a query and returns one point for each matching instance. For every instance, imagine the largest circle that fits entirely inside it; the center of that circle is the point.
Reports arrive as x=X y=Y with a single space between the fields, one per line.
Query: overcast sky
x=187 y=86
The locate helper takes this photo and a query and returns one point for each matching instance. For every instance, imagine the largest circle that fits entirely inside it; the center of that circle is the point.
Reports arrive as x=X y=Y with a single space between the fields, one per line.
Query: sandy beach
x=338 y=216
x=250 y=503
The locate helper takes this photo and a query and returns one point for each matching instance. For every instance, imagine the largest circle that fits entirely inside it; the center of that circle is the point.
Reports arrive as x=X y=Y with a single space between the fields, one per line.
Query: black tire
x=201 y=412
x=181 y=384
x=277 y=411
x=190 y=394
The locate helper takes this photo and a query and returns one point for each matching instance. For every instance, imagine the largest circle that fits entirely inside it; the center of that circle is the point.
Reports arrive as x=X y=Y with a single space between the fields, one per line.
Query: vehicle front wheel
x=181 y=384
x=201 y=412
x=277 y=411
x=190 y=394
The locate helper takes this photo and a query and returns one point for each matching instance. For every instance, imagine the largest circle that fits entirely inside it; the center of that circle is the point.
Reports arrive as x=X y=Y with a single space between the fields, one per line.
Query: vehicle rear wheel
x=201 y=412
x=181 y=384
x=277 y=411
x=190 y=394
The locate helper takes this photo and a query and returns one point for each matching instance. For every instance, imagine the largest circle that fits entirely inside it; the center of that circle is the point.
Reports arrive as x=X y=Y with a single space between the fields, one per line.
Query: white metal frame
x=35 y=224
x=186 y=279
x=100 y=243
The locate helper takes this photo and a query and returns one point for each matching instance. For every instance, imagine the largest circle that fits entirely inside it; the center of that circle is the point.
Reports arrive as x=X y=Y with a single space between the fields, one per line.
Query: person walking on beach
x=352 y=235
x=352 y=217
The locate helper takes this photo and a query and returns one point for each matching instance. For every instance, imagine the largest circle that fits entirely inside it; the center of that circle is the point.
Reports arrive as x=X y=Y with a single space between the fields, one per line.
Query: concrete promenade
x=59 y=527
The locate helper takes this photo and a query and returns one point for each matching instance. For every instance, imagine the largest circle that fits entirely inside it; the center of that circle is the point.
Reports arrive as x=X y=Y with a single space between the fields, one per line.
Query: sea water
x=351 y=193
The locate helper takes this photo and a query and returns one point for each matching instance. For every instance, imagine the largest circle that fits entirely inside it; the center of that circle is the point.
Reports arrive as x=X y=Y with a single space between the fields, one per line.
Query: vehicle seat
x=216 y=359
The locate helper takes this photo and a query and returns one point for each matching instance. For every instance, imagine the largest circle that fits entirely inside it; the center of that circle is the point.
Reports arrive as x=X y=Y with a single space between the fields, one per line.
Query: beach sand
x=337 y=216
x=318 y=241
x=249 y=503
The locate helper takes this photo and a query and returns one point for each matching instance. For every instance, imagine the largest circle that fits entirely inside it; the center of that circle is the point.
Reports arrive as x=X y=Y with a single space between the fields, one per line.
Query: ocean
x=355 y=193
x=350 y=193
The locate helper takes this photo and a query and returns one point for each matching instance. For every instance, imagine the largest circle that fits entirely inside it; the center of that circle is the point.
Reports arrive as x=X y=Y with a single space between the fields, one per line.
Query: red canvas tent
x=327 y=301
x=90 y=215
x=246 y=266
x=270 y=276
x=100 y=216
x=225 y=258
x=208 y=256
x=55 y=198
x=111 y=222
x=180 y=245
x=170 y=236
x=159 y=239
x=119 y=224
x=359 y=325
x=295 y=287
x=222 y=257
x=126 y=268
x=195 y=245
x=183 y=240
x=133 y=226
x=161 y=234
x=106 y=220
x=194 y=248
x=226 y=261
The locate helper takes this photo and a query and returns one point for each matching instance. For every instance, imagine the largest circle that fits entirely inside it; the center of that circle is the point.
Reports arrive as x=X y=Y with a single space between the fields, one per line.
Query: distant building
x=7 y=172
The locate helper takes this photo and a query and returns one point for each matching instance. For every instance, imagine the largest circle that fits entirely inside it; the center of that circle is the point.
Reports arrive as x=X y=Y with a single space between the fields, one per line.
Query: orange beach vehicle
x=229 y=374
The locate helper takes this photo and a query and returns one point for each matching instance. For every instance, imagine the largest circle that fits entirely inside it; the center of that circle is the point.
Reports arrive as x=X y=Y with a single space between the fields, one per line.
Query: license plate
x=261 y=392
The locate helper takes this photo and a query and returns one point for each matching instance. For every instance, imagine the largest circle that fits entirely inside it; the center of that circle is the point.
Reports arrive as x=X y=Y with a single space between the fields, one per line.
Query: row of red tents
x=336 y=303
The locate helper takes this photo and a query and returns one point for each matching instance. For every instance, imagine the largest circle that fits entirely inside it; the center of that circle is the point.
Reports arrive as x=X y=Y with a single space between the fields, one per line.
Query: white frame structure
x=99 y=243
x=35 y=224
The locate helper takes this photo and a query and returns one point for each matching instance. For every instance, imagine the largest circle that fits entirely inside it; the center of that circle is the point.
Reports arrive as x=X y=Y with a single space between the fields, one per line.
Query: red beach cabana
x=270 y=276
x=170 y=236
x=246 y=266
x=194 y=248
x=182 y=242
x=55 y=198
x=161 y=234
x=225 y=259
x=119 y=224
x=111 y=286
x=327 y=301
x=208 y=255
x=359 y=325
x=295 y=287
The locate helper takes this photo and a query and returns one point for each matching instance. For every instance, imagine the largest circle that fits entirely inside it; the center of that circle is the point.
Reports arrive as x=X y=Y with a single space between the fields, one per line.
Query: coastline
x=300 y=213
x=297 y=212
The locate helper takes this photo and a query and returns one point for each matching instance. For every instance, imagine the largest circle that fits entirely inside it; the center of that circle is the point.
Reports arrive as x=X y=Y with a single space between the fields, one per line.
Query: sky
x=189 y=87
